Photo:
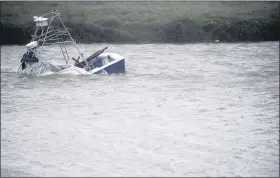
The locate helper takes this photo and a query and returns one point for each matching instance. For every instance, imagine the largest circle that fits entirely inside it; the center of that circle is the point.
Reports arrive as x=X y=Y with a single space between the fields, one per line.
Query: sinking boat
x=52 y=40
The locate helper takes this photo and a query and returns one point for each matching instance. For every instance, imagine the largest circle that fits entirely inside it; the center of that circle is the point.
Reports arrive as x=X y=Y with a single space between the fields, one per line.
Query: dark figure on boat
x=29 y=56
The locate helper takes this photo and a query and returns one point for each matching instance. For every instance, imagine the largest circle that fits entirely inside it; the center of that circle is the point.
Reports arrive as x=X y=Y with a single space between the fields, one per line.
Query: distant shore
x=105 y=22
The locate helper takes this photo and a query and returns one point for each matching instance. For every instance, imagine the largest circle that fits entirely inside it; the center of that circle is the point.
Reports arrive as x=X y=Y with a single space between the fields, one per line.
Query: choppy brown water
x=181 y=110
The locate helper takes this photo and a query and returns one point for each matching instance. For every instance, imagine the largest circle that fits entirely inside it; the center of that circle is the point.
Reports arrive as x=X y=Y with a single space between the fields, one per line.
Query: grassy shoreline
x=148 y=22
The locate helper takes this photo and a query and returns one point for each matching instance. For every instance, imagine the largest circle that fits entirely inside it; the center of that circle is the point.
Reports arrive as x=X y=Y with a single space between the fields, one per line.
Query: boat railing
x=56 y=13
x=55 y=32
x=35 y=37
x=53 y=36
x=62 y=42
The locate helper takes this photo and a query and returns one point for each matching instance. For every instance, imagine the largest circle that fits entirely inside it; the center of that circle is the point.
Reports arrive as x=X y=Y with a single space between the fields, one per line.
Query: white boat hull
x=117 y=65
x=73 y=71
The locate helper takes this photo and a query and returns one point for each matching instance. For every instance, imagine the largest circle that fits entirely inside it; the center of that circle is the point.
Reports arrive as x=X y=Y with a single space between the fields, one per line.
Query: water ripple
x=180 y=110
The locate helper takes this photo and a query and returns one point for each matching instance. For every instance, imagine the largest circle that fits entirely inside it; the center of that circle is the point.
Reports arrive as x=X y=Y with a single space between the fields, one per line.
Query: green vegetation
x=148 y=22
